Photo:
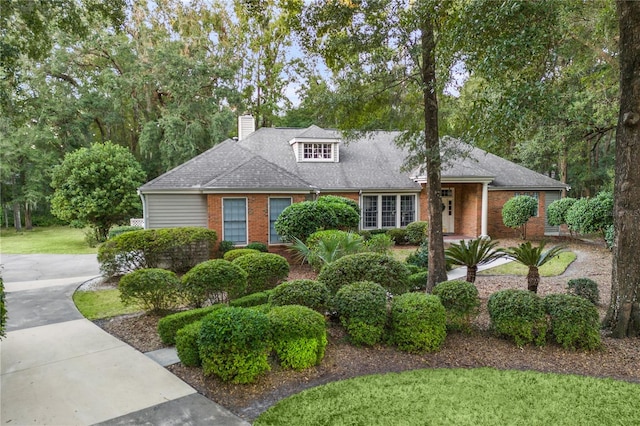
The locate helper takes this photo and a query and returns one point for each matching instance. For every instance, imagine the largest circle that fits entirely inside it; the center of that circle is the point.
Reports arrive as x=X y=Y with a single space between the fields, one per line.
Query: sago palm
x=533 y=258
x=473 y=254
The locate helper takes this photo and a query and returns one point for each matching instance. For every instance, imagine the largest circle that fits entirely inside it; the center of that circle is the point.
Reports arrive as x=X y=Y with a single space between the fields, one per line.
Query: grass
x=401 y=254
x=49 y=240
x=100 y=304
x=482 y=396
x=554 y=267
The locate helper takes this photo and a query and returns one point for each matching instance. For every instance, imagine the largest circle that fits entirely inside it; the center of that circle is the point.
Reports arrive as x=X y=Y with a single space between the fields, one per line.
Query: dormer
x=316 y=145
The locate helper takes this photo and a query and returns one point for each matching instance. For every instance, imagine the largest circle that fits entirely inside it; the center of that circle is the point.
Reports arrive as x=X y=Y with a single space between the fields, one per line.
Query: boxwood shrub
x=362 y=309
x=585 y=288
x=253 y=299
x=390 y=273
x=418 y=281
x=256 y=245
x=461 y=302
x=234 y=344
x=398 y=235
x=299 y=336
x=418 y=322
x=574 y=321
x=265 y=270
x=235 y=253
x=416 y=232
x=187 y=344
x=168 y=326
x=213 y=281
x=519 y=315
x=155 y=289
x=309 y=293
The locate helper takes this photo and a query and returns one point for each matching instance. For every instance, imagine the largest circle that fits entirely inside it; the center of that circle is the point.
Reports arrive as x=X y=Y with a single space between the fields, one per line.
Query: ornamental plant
x=186 y=342
x=324 y=247
x=213 y=281
x=472 y=254
x=416 y=232
x=517 y=211
x=155 y=289
x=591 y=215
x=169 y=325
x=461 y=303
x=533 y=258
x=312 y=294
x=235 y=253
x=574 y=321
x=557 y=211
x=585 y=288
x=362 y=309
x=264 y=270
x=418 y=322
x=518 y=315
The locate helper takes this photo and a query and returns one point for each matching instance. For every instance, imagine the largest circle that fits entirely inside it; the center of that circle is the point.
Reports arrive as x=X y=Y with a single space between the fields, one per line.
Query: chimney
x=246 y=126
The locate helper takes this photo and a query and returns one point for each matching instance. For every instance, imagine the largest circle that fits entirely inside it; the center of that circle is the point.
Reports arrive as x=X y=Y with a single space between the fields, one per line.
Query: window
x=388 y=211
x=234 y=212
x=370 y=210
x=535 y=195
x=317 y=151
x=276 y=206
x=407 y=209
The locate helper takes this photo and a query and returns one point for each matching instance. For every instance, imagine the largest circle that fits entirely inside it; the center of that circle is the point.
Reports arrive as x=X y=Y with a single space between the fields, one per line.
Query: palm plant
x=327 y=249
x=473 y=254
x=533 y=258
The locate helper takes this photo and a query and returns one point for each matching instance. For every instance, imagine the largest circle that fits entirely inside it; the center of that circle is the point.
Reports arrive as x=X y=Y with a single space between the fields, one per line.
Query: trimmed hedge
x=213 y=281
x=253 y=299
x=416 y=232
x=461 y=302
x=265 y=270
x=418 y=322
x=187 y=344
x=309 y=293
x=299 y=336
x=519 y=315
x=390 y=273
x=362 y=309
x=168 y=326
x=256 y=245
x=117 y=230
x=418 y=281
x=155 y=289
x=574 y=321
x=557 y=211
x=585 y=288
x=300 y=220
x=235 y=253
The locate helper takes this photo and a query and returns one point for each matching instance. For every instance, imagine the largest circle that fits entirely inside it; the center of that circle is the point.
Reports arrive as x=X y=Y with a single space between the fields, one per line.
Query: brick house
x=239 y=187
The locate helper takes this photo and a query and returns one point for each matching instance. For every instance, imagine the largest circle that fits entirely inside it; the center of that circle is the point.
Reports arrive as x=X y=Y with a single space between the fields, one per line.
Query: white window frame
x=397 y=211
x=269 y=213
x=318 y=151
x=246 y=220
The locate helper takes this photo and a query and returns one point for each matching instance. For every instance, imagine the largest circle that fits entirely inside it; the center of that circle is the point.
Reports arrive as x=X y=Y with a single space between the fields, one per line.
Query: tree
x=473 y=254
x=517 y=211
x=533 y=258
x=623 y=316
x=97 y=186
x=591 y=215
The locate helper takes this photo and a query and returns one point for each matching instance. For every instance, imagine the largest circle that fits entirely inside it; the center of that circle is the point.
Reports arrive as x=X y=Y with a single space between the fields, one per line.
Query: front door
x=448 y=211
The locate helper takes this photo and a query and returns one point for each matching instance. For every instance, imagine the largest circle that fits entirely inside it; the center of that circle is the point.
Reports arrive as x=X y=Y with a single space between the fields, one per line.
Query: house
x=240 y=186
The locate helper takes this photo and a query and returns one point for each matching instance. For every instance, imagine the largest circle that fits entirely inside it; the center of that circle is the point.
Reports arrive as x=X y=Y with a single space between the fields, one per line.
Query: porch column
x=485 y=210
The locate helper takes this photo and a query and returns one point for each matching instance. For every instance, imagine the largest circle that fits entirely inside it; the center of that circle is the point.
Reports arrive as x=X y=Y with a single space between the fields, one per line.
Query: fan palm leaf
x=473 y=254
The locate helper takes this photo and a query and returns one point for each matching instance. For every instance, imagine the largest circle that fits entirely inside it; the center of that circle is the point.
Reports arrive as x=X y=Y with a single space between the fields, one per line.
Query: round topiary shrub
x=416 y=232
x=362 y=309
x=299 y=336
x=154 y=289
x=309 y=293
x=265 y=270
x=213 y=281
x=461 y=302
x=234 y=344
x=261 y=247
x=517 y=211
x=557 y=211
x=585 y=288
x=187 y=344
x=235 y=253
x=519 y=315
x=574 y=321
x=391 y=274
x=418 y=322
x=300 y=220
x=418 y=280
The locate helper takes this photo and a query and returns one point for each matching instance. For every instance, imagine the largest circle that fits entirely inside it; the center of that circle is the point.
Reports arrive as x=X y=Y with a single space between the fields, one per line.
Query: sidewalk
x=461 y=272
x=58 y=368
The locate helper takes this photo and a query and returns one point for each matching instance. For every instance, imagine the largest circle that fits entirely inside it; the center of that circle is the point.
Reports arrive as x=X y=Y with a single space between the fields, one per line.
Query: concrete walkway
x=460 y=273
x=58 y=368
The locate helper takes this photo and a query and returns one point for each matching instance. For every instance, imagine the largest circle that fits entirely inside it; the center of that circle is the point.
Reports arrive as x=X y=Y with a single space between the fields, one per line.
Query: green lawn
x=49 y=240
x=482 y=396
x=102 y=304
x=553 y=268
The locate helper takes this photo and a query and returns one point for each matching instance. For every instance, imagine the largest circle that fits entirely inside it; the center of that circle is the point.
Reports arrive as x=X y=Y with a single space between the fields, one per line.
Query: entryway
x=448 y=211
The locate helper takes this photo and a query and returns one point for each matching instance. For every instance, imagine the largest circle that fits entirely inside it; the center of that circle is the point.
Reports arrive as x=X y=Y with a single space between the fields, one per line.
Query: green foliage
x=117 y=230
x=391 y=274
x=461 y=302
x=156 y=290
x=418 y=322
x=476 y=252
x=265 y=270
x=346 y=210
x=262 y=247
x=299 y=336
x=253 y=299
x=418 y=280
x=609 y=236
x=517 y=211
x=186 y=341
x=379 y=243
x=3 y=310
x=169 y=325
x=420 y=257
x=309 y=293
x=235 y=253
x=225 y=246
x=177 y=249
x=300 y=220
x=398 y=235
x=557 y=211
x=362 y=309
x=533 y=258
x=324 y=247
x=416 y=232
x=97 y=186
x=234 y=344
x=518 y=315
x=213 y=281
x=574 y=321
x=591 y=215
x=585 y=288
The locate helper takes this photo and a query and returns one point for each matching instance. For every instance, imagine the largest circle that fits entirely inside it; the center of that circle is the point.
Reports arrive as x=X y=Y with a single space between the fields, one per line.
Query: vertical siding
x=550 y=197
x=173 y=210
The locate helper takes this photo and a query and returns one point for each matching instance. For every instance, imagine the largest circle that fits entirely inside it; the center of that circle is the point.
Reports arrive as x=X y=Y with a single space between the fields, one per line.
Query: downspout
x=484 y=220
x=144 y=209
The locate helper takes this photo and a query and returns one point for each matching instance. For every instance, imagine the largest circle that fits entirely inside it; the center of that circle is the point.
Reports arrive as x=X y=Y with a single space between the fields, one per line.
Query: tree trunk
x=564 y=167
x=624 y=312
x=472 y=271
x=533 y=279
x=28 y=224
x=437 y=265
x=17 y=220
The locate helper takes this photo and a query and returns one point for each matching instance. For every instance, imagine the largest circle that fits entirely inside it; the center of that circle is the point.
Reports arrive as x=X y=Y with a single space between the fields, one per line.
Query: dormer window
x=316 y=145
x=317 y=151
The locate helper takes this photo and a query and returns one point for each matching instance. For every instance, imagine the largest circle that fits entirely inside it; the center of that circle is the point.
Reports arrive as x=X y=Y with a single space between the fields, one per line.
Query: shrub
x=391 y=274
x=347 y=211
x=591 y=215
x=416 y=232
x=117 y=230
x=461 y=302
x=309 y=293
x=519 y=315
x=235 y=253
x=379 y=243
x=585 y=288
x=557 y=211
x=265 y=270
x=418 y=281
x=213 y=281
x=420 y=257
x=253 y=299
x=261 y=247
x=3 y=310
x=609 y=236
x=168 y=326
x=362 y=309
x=326 y=246
x=155 y=289
x=517 y=211
x=398 y=235
x=187 y=344
x=299 y=336
x=300 y=220
x=574 y=321
x=418 y=322
x=224 y=247
x=234 y=344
